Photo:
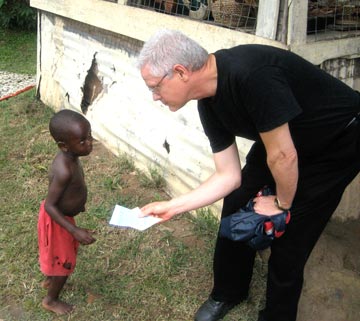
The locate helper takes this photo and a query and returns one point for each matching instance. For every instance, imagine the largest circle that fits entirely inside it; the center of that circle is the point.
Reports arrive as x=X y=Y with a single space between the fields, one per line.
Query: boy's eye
x=82 y=142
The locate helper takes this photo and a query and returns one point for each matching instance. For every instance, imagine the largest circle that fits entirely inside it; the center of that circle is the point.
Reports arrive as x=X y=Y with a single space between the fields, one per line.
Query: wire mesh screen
x=333 y=19
x=233 y=14
x=327 y=19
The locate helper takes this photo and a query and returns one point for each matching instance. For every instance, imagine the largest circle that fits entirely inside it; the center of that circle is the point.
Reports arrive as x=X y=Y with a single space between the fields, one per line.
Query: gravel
x=11 y=83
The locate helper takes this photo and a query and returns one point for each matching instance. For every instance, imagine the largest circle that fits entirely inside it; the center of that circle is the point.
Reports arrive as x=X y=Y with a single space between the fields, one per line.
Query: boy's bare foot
x=57 y=306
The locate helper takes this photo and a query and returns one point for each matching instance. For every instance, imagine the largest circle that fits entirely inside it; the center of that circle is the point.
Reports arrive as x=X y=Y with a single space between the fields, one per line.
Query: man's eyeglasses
x=155 y=89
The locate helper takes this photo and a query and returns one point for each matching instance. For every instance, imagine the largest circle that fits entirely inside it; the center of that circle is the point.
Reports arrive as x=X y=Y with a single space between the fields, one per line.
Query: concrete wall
x=121 y=110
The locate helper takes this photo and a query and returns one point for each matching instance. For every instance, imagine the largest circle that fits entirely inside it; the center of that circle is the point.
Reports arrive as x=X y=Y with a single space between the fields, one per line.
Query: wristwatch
x=278 y=205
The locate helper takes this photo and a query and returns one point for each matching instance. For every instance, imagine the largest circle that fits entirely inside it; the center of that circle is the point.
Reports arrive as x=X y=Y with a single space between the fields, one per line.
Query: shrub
x=17 y=14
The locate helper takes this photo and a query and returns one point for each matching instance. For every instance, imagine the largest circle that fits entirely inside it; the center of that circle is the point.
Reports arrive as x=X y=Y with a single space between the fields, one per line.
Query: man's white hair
x=169 y=47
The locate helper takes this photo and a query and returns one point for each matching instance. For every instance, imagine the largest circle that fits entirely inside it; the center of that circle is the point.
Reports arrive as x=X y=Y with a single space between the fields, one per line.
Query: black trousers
x=321 y=184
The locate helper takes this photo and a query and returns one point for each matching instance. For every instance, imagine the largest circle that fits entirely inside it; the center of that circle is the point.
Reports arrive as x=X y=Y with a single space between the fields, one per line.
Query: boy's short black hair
x=62 y=122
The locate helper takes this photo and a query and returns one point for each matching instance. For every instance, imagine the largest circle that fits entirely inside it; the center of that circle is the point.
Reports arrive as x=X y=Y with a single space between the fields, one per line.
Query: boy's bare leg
x=46 y=283
x=51 y=302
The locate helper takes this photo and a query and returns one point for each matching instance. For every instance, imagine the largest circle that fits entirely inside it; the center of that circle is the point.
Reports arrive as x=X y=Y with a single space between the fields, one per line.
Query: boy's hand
x=83 y=236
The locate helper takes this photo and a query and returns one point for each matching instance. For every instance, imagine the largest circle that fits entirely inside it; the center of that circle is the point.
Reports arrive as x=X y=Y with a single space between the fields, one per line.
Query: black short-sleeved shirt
x=261 y=87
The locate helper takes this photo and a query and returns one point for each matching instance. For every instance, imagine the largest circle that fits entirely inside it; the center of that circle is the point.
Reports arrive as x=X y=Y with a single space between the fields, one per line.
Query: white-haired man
x=305 y=128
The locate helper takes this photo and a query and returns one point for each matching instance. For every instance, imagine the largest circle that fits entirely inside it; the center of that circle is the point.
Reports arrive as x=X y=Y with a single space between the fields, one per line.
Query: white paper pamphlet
x=125 y=217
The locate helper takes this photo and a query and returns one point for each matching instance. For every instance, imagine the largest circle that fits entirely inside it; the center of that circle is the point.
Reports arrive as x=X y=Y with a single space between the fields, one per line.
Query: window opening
x=333 y=19
x=233 y=14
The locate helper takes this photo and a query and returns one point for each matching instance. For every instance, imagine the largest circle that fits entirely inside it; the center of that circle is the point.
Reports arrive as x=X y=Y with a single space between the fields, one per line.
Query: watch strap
x=279 y=206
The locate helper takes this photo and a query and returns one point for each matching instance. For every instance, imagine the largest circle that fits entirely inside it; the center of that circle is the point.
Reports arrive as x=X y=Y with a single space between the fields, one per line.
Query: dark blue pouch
x=248 y=226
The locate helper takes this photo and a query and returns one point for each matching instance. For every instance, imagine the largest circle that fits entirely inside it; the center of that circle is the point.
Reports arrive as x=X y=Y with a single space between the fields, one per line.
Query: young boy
x=59 y=237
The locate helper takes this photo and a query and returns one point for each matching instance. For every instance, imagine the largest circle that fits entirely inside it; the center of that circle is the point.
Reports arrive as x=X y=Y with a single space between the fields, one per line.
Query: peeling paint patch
x=92 y=86
x=166 y=145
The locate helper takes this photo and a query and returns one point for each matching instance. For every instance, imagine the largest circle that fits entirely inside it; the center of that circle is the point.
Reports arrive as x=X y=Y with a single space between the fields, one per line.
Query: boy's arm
x=56 y=188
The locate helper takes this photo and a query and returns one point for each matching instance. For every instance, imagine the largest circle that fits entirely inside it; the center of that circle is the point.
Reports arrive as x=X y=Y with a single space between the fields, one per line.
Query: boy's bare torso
x=74 y=196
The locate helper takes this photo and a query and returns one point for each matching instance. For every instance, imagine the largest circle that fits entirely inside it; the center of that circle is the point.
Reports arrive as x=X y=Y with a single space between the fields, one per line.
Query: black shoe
x=212 y=310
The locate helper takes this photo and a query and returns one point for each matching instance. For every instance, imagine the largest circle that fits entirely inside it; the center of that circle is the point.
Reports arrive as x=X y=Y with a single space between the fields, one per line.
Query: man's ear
x=62 y=146
x=181 y=71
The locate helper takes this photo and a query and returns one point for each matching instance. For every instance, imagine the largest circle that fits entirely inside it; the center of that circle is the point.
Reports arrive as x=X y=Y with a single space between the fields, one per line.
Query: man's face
x=170 y=90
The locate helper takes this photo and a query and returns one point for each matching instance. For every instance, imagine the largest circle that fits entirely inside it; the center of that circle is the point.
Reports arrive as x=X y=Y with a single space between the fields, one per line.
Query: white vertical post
x=267 y=18
x=297 y=23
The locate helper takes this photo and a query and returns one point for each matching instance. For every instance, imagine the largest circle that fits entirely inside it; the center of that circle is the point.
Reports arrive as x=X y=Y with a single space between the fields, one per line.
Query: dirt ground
x=332 y=276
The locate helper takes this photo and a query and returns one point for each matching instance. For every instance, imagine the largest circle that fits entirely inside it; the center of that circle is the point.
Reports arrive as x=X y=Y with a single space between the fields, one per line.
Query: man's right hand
x=158 y=209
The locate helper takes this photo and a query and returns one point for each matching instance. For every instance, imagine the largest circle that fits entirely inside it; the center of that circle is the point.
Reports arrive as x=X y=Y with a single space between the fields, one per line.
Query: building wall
x=86 y=62
x=345 y=69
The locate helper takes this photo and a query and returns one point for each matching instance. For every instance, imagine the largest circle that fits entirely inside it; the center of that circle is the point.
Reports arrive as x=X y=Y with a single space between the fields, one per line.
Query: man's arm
x=283 y=163
x=226 y=178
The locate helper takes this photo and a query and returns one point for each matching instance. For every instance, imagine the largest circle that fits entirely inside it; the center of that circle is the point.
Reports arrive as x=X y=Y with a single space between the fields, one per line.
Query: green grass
x=18 y=51
x=161 y=274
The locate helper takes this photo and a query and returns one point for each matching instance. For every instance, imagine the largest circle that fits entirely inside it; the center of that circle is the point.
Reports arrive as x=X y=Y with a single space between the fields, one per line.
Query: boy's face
x=79 y=140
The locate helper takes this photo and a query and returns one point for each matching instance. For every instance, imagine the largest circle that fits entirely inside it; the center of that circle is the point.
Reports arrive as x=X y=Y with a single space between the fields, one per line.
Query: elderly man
x=305 y=128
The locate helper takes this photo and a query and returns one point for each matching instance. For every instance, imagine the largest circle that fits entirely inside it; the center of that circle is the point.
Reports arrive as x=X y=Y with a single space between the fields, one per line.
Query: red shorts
x=57 y=247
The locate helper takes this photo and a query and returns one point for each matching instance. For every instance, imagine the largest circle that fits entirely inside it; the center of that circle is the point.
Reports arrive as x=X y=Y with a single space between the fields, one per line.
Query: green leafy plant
x=154 y=180
x=17 y=14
